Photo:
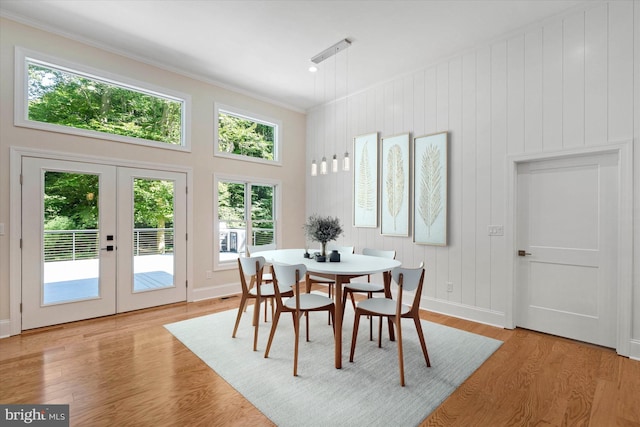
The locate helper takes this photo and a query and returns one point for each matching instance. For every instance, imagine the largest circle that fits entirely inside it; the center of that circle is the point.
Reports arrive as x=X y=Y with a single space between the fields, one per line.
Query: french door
x=99 y=239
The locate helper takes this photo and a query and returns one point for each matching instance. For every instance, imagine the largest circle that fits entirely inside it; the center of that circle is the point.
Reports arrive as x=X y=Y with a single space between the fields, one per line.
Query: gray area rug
x=366 y=392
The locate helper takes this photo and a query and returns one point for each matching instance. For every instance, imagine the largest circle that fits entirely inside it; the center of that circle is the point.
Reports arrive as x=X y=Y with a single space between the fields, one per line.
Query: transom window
x=246 y=136
x=64 y=99
x=246 y=213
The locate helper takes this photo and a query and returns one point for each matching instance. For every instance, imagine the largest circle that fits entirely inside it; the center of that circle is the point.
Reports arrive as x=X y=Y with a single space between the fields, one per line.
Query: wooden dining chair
x=253 y=267
x=285 y=276
x=366 y=287
x=408 y=279
x=330 y=283
x=266 y=275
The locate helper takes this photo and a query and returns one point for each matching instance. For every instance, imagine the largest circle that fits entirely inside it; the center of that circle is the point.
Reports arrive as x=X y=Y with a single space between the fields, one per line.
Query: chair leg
x=265 y=309
x=354 y=337
x=353 y=300
x=332 y=313
x=400 y=354
x=296 y=328
x=380 y=332
x=307 y=326
x=423 y=344
x=274 y=326
x=241 y=309
x=328 y=315
x=370 y=295
x=344 y=300
x=256 y=323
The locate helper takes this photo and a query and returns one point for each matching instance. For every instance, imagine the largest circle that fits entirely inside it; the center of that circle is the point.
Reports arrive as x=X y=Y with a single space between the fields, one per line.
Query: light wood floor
x=128 y=370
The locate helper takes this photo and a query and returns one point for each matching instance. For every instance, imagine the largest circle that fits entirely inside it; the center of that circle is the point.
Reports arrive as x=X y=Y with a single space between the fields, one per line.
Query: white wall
x=201 y=160
x=563 y=84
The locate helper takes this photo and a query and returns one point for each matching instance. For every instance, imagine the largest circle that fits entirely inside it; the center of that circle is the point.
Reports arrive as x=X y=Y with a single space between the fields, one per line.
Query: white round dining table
x=349 y=267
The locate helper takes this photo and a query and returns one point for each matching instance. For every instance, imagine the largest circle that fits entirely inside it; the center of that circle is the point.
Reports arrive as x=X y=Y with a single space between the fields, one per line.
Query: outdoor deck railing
x=71 y=245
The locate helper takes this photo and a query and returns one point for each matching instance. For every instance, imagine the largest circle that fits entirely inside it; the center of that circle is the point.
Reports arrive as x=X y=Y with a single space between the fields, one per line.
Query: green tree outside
x=71 y=200
x=67 y=99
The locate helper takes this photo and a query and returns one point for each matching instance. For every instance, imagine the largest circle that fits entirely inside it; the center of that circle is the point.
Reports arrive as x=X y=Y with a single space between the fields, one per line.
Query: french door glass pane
x=262 y=224
x=71 y=237
x=153 y=213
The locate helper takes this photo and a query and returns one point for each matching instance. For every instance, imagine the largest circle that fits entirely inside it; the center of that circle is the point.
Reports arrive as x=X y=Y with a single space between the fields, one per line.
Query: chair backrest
x=409 y=279
x=286 y=274
x=257 y=248
x=248 y=265
x=379 y=252
x=286 y=277
x=341 y=249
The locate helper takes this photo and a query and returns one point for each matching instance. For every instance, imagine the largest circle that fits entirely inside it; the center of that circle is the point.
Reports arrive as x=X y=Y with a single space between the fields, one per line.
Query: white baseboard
x=225 y=290
x=492 y=318
x=462 y=311
x=5 y=328
x=634 y=349
x=197 y=294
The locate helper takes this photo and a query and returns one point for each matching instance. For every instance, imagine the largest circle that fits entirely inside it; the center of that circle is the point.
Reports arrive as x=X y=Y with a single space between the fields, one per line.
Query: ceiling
x=264 y=47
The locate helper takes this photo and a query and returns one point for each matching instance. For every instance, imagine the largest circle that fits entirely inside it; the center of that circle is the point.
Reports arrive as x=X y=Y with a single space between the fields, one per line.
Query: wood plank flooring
x=128 y=370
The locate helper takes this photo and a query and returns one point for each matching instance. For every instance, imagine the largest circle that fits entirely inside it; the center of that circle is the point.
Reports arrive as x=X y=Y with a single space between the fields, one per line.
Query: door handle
x=109 y=248
x=523 y=253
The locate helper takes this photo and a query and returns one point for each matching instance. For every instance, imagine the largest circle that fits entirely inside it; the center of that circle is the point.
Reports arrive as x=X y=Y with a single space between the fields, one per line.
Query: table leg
x=337 y=320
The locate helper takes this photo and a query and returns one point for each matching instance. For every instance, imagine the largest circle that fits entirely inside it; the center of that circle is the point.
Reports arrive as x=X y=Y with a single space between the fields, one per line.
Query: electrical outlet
x=209 y=274
x=449 y=286
x=496 y=230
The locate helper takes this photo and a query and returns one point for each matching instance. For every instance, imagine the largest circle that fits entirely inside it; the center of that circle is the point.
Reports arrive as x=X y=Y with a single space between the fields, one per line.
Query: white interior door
x=567 y=212
x=99 y=239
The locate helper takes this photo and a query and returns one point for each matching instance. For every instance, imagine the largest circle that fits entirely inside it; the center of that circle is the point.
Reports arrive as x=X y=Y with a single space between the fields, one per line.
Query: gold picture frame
x=430 y=172
x=395 y=183
x=365 y=180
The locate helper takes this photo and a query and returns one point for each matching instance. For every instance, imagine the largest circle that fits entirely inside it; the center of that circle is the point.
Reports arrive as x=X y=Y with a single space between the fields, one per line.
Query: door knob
x=109 y=248
x=523 y=253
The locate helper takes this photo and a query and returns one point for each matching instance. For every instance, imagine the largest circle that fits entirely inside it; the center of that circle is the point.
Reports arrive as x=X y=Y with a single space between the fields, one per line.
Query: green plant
x=322 y=229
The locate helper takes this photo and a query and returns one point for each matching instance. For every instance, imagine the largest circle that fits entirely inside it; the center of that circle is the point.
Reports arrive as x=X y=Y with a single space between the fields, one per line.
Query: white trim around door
x=624 y=152
x=15 y=255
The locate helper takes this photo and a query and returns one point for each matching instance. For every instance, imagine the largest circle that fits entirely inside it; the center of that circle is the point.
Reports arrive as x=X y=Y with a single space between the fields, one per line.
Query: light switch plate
x=496 y=230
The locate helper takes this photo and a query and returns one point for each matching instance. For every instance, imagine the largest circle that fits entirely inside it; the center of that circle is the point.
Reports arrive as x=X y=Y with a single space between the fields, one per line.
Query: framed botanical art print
x=365 y=180
x=394 y=185
x=430 y=169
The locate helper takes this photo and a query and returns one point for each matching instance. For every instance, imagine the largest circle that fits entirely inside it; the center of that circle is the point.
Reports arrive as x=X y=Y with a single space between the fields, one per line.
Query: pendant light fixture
x=346 y=161
x=327 y=53
x=323 y=162
x=323 y=166
x=314 y=165
x=334 y=161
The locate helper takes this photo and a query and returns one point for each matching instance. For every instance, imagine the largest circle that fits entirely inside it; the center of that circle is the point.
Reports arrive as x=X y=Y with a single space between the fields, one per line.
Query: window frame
x=258 y=118
x=247 y=181
x=21 y=112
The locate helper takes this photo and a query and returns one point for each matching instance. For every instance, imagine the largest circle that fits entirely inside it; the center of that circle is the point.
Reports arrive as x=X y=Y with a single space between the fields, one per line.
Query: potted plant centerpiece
x=322 y=229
